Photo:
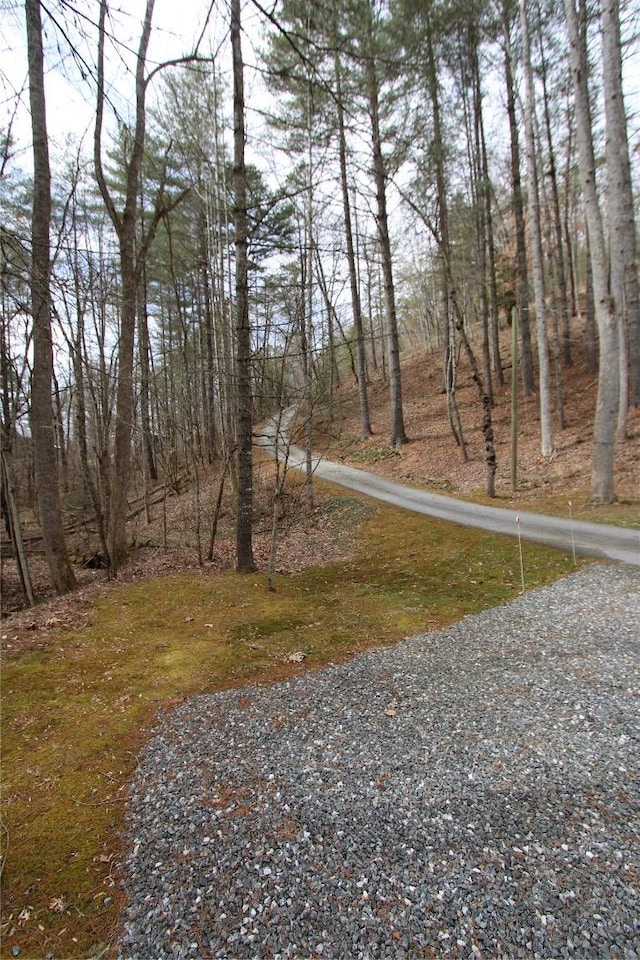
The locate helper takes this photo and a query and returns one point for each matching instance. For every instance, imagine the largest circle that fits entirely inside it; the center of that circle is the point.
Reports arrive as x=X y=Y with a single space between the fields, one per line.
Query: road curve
x=591 y=539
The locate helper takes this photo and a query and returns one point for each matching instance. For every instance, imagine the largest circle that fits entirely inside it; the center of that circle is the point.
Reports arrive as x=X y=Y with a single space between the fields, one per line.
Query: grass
x=76 y=713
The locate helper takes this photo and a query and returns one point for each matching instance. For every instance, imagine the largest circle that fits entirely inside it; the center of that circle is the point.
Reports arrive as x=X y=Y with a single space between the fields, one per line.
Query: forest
x=276 y=199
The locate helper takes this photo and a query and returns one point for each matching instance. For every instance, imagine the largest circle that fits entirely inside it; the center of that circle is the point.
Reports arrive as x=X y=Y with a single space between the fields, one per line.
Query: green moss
x=268 y=627
x=76 y=713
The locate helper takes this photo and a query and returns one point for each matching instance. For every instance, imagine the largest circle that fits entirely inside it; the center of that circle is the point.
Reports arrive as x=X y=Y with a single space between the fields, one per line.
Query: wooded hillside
x=299 y=207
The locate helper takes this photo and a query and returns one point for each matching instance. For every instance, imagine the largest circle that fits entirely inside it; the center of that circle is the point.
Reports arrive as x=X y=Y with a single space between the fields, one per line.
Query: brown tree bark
x=622 y=228
x=537 y=259
x=356 y=307
x=42 y=421
x=528 y=379
x=125 y=226
x=552 y=175
x=245 y=562
x=398 y=433
x=133 y=256
x=9 y=504
x=602 y=472
x=450 y=364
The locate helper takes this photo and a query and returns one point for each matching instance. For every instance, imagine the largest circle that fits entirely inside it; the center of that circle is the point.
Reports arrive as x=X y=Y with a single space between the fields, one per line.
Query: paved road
x=592 y=539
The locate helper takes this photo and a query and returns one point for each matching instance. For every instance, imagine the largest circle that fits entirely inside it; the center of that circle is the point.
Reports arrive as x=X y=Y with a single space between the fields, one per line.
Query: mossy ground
x=76 y=713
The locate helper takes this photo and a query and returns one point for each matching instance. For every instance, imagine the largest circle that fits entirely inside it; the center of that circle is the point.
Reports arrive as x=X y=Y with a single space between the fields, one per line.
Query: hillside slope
x=432 y=459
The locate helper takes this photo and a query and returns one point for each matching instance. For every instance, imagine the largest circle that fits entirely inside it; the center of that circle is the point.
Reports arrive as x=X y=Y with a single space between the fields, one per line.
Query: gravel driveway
x=470 y=793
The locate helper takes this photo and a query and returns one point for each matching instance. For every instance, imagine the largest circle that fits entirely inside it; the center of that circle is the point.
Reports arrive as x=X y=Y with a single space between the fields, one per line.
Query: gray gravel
x=469 y=793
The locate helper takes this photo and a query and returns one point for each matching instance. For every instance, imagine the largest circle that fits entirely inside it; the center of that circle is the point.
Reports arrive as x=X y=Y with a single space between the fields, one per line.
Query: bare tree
x=517 y=203
x=133 y=255
x=356 y=305
x=546 y=430
x=244 y=403
x=42 y=421
x=622 y=240
x=604 y=428
x=398 y=433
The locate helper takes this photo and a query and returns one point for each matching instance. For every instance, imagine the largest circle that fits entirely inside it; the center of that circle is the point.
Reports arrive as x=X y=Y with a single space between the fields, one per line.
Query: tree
x=442 y=236
x=133 y=253
x=422 y=55
x=622 y=239
x=546 y=430
x=517 y=205
x=42 y=423
x=356 y=305
x=559 y=255
x=371 y=56
x=604 y=429
x=15 y=339
x=10 y=381
x=466 y=36
x=244 y=405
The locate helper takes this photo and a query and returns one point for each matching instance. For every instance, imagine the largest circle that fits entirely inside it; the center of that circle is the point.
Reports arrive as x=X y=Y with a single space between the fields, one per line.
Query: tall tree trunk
x=491 y=262
x=602 y=473
x=450 y=365
x=546 y=430
x=9 y=504
x=125 y=226
x=487 y=419
x=244 y=406
x=149 y=461
x=307 y=311
x=208 y=338
x=555 y=197
x=78 y=359
x=333 y=321
x=591 y=339
x=356 y=307
x=398 y=434
x=223 y=294
x=622 y=240
x=528 y=379
x=8 y=493
x=569 y=205
x=148 y=458
x=473 y=116
x=42 y=424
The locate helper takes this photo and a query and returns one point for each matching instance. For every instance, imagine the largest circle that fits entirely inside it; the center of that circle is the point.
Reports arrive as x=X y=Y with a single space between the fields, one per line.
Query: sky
x=70 y=101
x=177 y=25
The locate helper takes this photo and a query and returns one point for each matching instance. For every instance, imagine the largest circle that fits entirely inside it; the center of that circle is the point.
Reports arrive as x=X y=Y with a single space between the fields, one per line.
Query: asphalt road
x=591 y=539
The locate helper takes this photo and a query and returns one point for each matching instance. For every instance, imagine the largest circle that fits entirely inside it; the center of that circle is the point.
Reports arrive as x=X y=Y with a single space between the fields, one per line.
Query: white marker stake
x=521 y=558
x=573 y=539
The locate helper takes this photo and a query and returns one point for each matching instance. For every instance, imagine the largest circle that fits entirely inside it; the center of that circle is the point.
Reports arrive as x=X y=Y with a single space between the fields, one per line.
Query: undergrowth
x=76 y=714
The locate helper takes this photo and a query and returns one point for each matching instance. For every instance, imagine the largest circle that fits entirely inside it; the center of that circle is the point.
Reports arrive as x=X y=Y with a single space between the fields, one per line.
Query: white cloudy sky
x=177 y=26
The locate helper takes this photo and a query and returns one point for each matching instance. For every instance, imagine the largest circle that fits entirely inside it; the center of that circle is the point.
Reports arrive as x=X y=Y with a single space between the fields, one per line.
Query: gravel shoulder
x=473 y=792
